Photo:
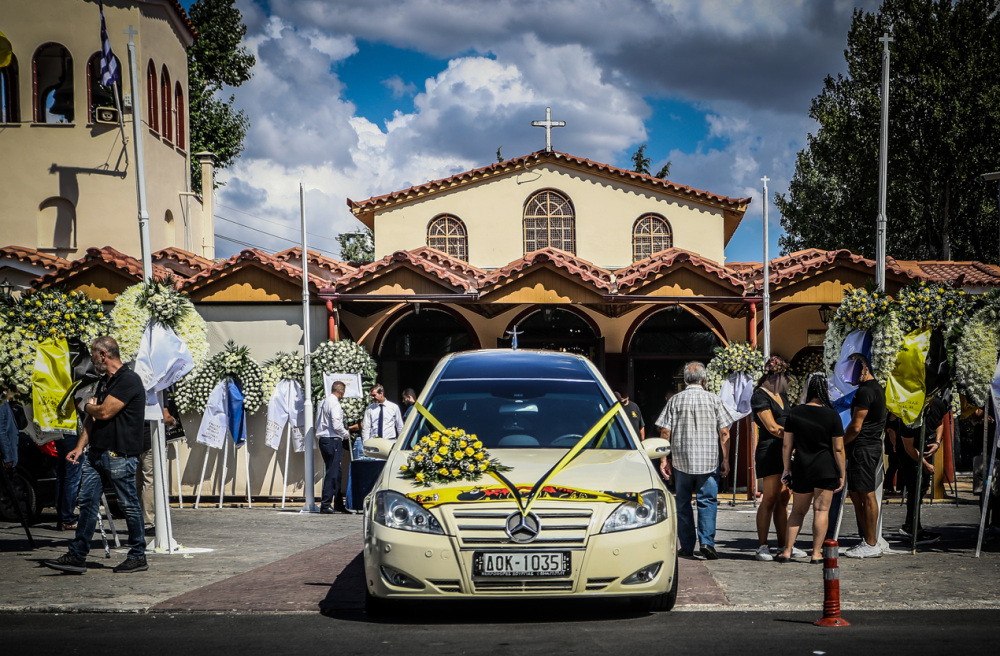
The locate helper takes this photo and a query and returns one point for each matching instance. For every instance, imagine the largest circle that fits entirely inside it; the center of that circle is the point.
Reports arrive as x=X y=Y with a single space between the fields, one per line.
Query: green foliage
x=216 y=60
x=640 y=163
x=944 y=132
x=664 y=171
x=357 y=246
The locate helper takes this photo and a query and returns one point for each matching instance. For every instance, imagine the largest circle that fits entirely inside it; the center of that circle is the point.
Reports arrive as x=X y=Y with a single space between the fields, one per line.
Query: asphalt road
x=531 y=628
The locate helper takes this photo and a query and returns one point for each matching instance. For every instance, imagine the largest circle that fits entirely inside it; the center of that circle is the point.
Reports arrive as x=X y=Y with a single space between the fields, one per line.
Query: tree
x=944 y=132
x=216 y=60
x=640 y=163
x=357 y=246
x=664 y=171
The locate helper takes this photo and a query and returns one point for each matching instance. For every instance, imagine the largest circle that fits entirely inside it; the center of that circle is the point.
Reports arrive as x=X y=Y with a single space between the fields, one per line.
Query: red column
x=332 y=321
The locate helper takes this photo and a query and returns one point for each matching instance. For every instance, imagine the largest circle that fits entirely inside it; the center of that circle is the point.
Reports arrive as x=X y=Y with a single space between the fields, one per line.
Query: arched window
x=99 y=95
x=549 y=222
x=650 y=234
x=167 y=117
x=447 y=234
x=10 y=108
x=152 y=105
x=57 y=224
x=179 y=108
x=52 y=84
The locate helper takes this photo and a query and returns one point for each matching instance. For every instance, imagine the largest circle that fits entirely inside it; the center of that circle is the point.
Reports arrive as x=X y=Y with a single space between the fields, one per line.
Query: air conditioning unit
x=106 y=115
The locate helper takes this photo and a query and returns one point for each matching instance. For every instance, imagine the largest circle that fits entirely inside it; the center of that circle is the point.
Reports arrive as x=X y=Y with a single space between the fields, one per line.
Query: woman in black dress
x=816 y=432
x=769 y=404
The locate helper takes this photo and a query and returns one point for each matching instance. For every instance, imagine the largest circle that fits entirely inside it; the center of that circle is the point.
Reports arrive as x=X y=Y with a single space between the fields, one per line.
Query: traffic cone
x=831 y=586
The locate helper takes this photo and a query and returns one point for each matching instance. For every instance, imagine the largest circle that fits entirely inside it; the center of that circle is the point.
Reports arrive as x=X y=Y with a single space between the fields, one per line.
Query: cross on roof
x=765 y=180
x=131 y=32
x=548 y=124
x=886 y=40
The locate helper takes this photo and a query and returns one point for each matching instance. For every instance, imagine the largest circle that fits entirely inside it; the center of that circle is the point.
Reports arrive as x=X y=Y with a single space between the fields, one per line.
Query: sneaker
x=864 y=550
x=798 y=553
x=67 y=563
x=764 y=554
x=927 y=537
x=906 y=530
x=130 y=565
x=708 y=551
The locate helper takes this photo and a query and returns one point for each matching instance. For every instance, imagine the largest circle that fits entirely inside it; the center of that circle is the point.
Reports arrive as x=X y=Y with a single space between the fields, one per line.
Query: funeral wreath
x=233 y=362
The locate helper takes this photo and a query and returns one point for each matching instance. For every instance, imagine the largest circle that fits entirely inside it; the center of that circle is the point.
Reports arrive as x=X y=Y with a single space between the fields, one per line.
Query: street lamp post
x=990 y=177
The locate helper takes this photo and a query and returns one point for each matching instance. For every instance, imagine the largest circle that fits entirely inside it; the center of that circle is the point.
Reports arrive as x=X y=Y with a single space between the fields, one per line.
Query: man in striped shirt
x=697 y=424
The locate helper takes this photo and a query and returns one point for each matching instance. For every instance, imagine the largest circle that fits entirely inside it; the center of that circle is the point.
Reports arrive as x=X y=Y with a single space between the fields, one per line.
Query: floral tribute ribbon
x=541 y=489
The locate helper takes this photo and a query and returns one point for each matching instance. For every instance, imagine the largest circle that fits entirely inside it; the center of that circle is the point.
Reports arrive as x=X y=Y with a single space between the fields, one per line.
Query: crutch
x=111 y=520
x=284 y=474
x=104 y=536
x=201 y=481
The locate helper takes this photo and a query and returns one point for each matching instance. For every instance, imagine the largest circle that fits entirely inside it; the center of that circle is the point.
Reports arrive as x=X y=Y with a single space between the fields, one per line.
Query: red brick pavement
x=331 y=578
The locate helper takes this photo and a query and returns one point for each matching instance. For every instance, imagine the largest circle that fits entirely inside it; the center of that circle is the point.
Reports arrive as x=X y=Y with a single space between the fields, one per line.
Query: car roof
x=503 y=363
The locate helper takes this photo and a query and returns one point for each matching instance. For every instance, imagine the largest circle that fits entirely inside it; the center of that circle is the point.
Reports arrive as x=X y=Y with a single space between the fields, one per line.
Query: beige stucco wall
x=78 y=161
x=606 y=210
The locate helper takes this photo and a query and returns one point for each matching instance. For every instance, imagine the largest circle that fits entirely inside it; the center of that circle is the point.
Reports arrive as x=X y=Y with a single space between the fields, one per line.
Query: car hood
x=604 y=470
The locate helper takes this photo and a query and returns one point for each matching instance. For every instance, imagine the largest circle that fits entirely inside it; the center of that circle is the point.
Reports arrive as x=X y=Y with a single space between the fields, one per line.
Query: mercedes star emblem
x=523 y=528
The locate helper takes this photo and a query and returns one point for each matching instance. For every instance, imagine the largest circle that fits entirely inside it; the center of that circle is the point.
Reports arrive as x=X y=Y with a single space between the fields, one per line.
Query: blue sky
x=359 y=98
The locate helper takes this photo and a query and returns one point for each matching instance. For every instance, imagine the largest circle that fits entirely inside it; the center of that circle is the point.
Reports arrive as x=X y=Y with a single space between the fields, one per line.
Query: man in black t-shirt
x=907 y=443
x=634 y=415
x=863 y=442
x=113 y=430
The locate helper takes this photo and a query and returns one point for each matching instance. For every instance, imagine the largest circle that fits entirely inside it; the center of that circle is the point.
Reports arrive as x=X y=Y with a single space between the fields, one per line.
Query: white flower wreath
x=283 y=366
x=345 y=357
x=233 y=362
x=135 y=308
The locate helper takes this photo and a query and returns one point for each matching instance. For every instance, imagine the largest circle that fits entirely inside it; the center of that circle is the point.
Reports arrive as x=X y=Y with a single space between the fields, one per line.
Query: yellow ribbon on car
x=536 y=490
x=481 y=494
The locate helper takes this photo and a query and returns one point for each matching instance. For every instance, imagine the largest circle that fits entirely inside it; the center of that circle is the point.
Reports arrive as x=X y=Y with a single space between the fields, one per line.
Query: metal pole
x=310 y=473
x=767 y=282
x=987 y=483
x=917 y=495
x=225 y=462
x=883 y=166
x=284 y=473
x=736 y=458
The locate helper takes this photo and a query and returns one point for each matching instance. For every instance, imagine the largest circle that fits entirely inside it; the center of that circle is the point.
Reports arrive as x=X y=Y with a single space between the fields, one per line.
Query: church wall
x=606 y=210
x=66 y=173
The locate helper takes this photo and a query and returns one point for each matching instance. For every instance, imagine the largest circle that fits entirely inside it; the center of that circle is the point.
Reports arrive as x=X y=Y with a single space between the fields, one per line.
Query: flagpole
x=883 y=167
x=310 y=472
x=767 y=283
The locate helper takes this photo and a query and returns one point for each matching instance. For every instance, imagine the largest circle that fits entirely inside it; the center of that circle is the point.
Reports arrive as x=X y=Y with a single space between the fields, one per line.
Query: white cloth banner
x=214 y=423
x=352 y=384
x=735 y=394
x=853 y=343
x=163 y=359
x=287 y=405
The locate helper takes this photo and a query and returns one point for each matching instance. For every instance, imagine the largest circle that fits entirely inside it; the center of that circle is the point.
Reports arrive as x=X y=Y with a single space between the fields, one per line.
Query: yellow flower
x=38 y=303
x=52 y=330
x=459 y=455
x=436 y=435
x=403 y=468
x=469 y=451
x=70 y=304
x=455 y=472
x=477 y=445
x=43 y=322
x=424 y=440
x=445 y=440
x=443 y=450
x=436 y=459
x=100 y=315
x=479 y=456
x=484 y=466
x=418 y=458
x=443 y=471
x=420 y=477
x=463 y=444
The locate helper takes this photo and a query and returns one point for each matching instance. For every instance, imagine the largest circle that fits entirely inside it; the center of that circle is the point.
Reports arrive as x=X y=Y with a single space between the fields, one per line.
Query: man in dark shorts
x=634 y=414
x=863 y=442
x=907 y=443
x=113 y=430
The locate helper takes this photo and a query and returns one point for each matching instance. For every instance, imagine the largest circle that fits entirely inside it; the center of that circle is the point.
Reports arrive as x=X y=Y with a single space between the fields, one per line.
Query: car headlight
x=393 y=510
x=631 y=515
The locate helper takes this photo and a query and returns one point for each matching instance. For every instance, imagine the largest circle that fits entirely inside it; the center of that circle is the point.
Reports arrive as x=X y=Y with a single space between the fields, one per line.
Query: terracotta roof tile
x=335 y=267
x=737 y=204
x=583 y=269
x=97 y=256
x=33 y=256
x=185 y=18
x=253 y=255
x=421 y=260
x=189 y=260
x=441 y=258
x=972 y=274
x=636 y=274
x=804 y=261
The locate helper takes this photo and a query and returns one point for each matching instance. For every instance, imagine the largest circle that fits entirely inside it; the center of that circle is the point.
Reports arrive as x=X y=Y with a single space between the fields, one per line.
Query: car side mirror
x=656 y=447
x=378 y=448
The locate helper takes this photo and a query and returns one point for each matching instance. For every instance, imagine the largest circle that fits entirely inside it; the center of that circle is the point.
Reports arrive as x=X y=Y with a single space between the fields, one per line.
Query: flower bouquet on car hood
x=448 y=456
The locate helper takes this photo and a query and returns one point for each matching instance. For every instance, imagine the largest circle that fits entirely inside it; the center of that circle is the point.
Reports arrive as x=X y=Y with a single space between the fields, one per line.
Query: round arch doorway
x=552 y=328
x=413 y=344
x=660 y=346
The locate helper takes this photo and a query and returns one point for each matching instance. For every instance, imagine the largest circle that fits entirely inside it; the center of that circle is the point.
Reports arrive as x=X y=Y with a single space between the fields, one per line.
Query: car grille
x=446 y=585
x=560 y=528
x=523 y=586
x=599 y=584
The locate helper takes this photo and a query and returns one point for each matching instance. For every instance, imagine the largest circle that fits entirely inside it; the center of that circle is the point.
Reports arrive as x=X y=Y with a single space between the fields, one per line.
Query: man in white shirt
x=382 y=418
x=331 y=433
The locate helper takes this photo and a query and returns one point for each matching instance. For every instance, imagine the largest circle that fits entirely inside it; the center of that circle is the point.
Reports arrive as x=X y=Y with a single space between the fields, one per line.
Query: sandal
x=781 y=559
x=68 y=527
x=815 y=561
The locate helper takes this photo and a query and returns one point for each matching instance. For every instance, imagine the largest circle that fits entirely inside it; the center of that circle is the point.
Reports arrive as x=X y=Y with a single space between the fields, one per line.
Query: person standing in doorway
x=331 y=433
x=697 y=424
x=769 y=406
x=113 y=431
x=633 y=412
x=863 y=440
x=382 y=418
x=409 y=397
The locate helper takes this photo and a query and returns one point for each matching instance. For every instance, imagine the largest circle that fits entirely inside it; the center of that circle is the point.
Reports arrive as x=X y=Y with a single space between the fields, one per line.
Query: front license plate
x=521 y=563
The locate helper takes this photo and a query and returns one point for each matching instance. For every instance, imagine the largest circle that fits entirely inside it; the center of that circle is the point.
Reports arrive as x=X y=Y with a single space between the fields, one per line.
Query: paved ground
x=570 y=628
x=267 y=560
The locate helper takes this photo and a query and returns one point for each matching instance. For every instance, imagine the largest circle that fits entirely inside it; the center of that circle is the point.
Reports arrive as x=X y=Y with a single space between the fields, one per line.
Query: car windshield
x=523 y=414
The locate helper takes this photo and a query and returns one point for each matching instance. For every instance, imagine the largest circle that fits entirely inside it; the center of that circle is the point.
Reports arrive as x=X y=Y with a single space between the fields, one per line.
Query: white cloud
x=399 y=88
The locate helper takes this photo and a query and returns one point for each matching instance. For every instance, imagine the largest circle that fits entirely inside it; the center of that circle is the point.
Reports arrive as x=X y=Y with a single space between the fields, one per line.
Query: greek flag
x=109 y=65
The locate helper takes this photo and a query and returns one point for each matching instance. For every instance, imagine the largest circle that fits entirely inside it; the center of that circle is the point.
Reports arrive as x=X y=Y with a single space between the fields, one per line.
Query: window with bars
x=549 y=221
x=650 y=234
x=447 y=234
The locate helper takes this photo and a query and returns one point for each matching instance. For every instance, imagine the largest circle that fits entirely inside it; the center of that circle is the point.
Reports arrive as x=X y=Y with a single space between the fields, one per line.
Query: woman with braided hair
x=816 y=433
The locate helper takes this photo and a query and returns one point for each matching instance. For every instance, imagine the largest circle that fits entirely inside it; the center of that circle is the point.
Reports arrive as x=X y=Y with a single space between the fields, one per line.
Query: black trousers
x=332 y=449
x=908 y=470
